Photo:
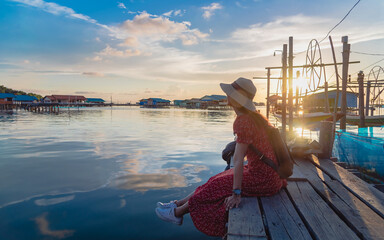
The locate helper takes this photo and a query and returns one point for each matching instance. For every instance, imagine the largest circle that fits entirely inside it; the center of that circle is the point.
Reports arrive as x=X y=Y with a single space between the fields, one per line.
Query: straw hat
x=245 y=97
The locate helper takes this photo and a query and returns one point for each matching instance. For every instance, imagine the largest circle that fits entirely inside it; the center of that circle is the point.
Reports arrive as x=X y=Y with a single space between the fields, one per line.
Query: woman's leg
x=180 y=211
x=181 y=202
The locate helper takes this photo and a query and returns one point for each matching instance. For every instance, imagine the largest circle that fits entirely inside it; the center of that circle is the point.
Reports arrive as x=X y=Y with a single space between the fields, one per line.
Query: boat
x=370 y=121
x=306 y=119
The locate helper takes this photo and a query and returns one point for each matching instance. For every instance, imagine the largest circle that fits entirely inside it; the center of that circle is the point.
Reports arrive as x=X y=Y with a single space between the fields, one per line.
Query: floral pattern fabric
x=207 y=208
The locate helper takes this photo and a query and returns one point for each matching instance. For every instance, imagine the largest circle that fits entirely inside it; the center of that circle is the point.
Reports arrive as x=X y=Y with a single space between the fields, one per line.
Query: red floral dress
x=207 y=207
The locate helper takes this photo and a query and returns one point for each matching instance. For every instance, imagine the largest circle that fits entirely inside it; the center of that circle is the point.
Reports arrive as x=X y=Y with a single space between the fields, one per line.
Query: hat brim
x=238 y=97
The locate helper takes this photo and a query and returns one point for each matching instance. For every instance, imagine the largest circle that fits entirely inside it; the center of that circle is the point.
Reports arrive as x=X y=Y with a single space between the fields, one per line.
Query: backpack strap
x=264 y=158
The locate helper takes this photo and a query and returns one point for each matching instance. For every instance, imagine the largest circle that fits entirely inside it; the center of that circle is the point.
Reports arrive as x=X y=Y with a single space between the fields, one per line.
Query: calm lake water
x=97 y=173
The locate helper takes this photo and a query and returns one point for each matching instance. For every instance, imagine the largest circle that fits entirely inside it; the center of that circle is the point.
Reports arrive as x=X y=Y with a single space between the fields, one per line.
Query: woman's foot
x=168 y=215
x=171 y=204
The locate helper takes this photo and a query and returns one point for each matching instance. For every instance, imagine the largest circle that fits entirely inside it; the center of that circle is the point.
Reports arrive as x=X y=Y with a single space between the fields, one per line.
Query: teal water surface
x=97 y=173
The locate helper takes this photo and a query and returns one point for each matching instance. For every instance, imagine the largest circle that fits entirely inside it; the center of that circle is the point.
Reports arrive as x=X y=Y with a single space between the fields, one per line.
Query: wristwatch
x=237 y=191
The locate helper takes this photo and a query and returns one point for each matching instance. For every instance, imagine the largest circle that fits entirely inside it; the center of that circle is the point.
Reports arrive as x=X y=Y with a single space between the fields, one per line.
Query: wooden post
x=368 y=93
x=284 y=93
x=372 y=108
x=325 y=139
x=297 y=100
x=290 y=91
x=326 y=97
x=360 y=79
x=268 y=89
x=346 y=48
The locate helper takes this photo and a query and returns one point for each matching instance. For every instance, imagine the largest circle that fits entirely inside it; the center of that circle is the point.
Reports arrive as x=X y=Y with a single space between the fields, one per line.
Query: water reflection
x=53 y=201
x=144 y=182
x=44 y=228
x=102 y=161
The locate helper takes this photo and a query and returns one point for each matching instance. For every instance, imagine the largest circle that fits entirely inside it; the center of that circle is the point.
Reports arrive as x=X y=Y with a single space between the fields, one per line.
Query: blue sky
x=134 y=49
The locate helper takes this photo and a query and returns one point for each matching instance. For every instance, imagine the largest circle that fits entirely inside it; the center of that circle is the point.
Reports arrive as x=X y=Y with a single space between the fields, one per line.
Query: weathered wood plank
x=310 y=171
x=297 y=175
x=366 y=221
x=323 y=221
x=282 y=219
x=245 y=222
x=362 y=219
x=365 y=192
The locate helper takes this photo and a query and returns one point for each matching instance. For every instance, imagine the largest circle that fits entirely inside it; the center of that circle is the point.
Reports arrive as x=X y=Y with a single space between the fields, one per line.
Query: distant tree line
x=16 y=92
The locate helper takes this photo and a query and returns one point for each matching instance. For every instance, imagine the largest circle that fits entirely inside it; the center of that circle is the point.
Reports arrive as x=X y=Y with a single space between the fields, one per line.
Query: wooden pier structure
x=42 y=107
x=322 y=201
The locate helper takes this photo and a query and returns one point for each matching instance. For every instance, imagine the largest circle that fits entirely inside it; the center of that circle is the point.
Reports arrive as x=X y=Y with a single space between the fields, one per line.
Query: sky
x=133 y=49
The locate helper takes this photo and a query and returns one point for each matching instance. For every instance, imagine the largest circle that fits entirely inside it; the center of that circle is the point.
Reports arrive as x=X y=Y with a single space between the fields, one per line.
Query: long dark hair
x=259 y=119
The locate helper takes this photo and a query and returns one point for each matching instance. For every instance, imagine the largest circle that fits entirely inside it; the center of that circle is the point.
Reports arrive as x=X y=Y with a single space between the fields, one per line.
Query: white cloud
x=168 y=14
x=95 y=59
x=131 y=42
x=110 y=51
x=239 y=5
x=55 y=9
x=121 y=5
x=209 y=10
x=178 y=13
x=93 y=74
x=154 y=28
x=174 y=13
x=304 y=28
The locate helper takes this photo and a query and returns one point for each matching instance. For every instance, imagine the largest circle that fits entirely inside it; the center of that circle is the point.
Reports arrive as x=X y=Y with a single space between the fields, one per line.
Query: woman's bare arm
x=238 y=158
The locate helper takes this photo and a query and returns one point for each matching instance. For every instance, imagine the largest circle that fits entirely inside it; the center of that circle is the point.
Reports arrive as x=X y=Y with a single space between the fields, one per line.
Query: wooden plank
x=365 y=192
x=297 y=175
x=310 y=171
x=246 y=222
x=323 y=222
x=282 y=219
x=365 y=220
x=362 y=219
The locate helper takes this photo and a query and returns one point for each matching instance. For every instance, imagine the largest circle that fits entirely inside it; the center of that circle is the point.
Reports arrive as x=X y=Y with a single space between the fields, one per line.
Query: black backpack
x=283 y=156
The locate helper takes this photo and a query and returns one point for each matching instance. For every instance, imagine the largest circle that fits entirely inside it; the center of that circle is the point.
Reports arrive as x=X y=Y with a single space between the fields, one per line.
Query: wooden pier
x=322 y=201
x=42 y=107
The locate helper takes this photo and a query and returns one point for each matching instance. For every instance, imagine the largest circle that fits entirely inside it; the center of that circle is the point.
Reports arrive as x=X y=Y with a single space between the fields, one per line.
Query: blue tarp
x=6 y=95
x=95 y=100
x=363 y=147
x=213 y=98
x=24 y=98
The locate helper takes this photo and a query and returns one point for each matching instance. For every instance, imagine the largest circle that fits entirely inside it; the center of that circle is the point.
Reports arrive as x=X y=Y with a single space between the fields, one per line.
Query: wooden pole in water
x=367 y=98
x=326 y=97
x=290 y=91
x=346 y=48
x=372 y=108
x=360 y=79
x=268 y=89
x=297 y=100
x=284 y=92
x=336 y=105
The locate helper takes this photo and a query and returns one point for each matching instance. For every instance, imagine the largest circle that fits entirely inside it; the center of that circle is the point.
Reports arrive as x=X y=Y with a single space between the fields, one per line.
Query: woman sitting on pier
x=209 y=203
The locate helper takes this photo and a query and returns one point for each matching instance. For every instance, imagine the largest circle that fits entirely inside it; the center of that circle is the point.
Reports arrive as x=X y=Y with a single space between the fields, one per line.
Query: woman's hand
x=232 y=201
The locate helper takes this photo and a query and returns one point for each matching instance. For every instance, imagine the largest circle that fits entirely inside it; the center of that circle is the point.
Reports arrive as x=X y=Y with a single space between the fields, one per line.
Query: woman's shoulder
x=243 y=121
x=244 y=118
